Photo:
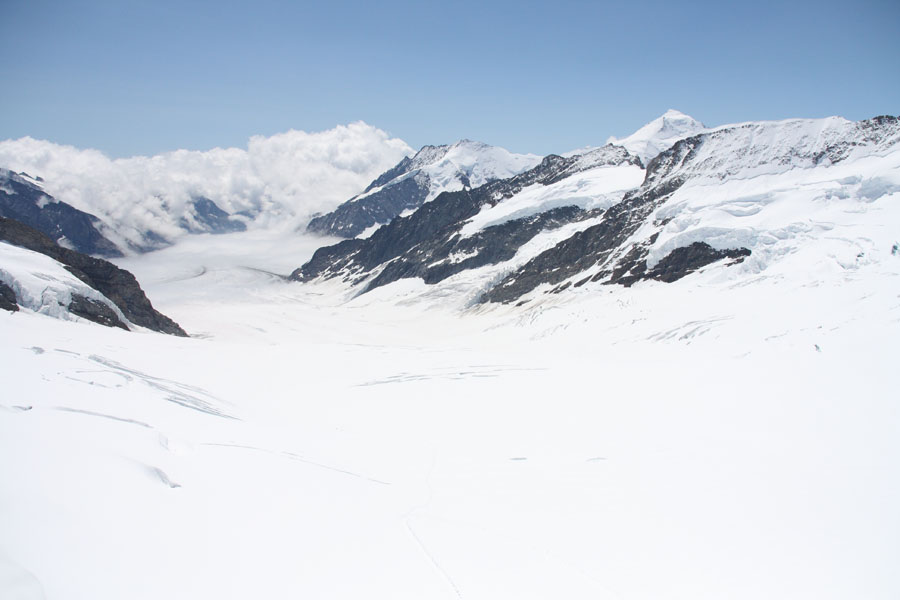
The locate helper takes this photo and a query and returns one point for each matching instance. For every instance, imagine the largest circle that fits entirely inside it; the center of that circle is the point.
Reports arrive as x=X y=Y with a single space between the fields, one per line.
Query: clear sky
x=140 y=77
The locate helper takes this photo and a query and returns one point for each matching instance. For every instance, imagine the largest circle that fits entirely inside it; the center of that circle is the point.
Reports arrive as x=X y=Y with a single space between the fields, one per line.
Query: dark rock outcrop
x=687 y=259
x=8 y=298
x=29 y=204
x=118 y=285
x=96 y=311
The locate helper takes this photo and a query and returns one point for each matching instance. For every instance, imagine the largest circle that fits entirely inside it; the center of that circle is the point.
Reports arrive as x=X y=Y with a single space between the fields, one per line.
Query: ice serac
x=659 y=134
x=416 y=180
x=22 y=198
x=98 y=291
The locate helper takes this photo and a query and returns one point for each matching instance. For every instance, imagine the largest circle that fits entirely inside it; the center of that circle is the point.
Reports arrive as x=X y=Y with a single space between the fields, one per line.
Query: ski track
x=178 y=393
x=103 y=415
x=298 y=458
x=475 y=371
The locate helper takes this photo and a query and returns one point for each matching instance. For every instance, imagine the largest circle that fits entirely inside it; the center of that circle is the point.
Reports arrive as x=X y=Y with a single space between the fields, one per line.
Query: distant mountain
x=416 y=180
x=42 y=276
x=149 y=202
x=202 y=215
x=23 y=198
x=659 y=134
x=749 y=194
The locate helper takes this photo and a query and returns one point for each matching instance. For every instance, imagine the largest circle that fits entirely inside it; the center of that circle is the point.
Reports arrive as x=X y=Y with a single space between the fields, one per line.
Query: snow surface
x=715 y=437
x=729 y=435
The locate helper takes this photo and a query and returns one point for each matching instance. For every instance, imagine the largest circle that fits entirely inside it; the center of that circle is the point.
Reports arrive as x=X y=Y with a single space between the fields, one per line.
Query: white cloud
x=282 y=179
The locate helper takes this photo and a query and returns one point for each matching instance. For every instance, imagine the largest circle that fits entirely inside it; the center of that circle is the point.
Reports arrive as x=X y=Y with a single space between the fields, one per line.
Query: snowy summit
x=659 y=134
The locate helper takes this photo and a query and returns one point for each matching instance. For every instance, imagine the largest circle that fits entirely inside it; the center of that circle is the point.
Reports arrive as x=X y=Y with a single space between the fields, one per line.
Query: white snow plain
x=715 y=437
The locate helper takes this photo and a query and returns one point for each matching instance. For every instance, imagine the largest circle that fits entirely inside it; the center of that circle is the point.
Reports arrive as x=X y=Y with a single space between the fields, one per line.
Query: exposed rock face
x=118 y=285
x=358 y=214
x=93 y=310
x=687 y=259
x=26 y=202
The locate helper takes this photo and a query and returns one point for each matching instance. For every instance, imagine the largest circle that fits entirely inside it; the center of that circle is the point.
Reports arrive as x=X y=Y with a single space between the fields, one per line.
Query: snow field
x=729 y=435
x=676 y=441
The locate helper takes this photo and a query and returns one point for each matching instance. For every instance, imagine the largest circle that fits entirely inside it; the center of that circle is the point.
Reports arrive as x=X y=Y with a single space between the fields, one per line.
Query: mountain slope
x=757 y=174
x=414 y=181
x=47 y=278
x=23 y=199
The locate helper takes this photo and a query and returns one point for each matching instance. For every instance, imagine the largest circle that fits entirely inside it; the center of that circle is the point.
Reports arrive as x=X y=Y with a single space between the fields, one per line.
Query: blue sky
x=142 y=77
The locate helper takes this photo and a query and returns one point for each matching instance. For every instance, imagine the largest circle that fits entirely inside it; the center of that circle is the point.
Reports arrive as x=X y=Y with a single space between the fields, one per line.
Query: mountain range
x=742 y=194
x=490 y=226
x=671 y=354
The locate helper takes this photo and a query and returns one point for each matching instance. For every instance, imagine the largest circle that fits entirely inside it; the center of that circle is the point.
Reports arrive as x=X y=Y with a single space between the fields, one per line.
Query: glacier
x=729 y=434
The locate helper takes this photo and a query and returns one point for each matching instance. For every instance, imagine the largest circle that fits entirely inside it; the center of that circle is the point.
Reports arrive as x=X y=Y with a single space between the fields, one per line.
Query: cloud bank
x=277 y=181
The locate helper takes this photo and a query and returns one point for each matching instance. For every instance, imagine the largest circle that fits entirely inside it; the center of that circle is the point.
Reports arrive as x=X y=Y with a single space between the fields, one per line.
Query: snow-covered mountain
x=659 y=134
x=23 y=198
x=418 y=179
x=747 y=194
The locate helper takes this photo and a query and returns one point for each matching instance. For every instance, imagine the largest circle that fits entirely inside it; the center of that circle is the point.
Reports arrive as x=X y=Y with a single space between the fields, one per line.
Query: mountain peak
x=659 y=134
x=672 y=113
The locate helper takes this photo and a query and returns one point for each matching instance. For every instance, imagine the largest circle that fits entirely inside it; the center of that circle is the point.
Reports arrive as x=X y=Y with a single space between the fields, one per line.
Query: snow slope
x=600 y=187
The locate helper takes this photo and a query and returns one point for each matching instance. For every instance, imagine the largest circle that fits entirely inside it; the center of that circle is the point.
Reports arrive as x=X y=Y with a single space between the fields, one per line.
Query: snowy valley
x=660 y=368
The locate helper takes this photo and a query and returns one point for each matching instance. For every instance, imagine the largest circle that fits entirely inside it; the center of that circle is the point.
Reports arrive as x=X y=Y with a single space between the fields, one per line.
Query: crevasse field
x=730 y=435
